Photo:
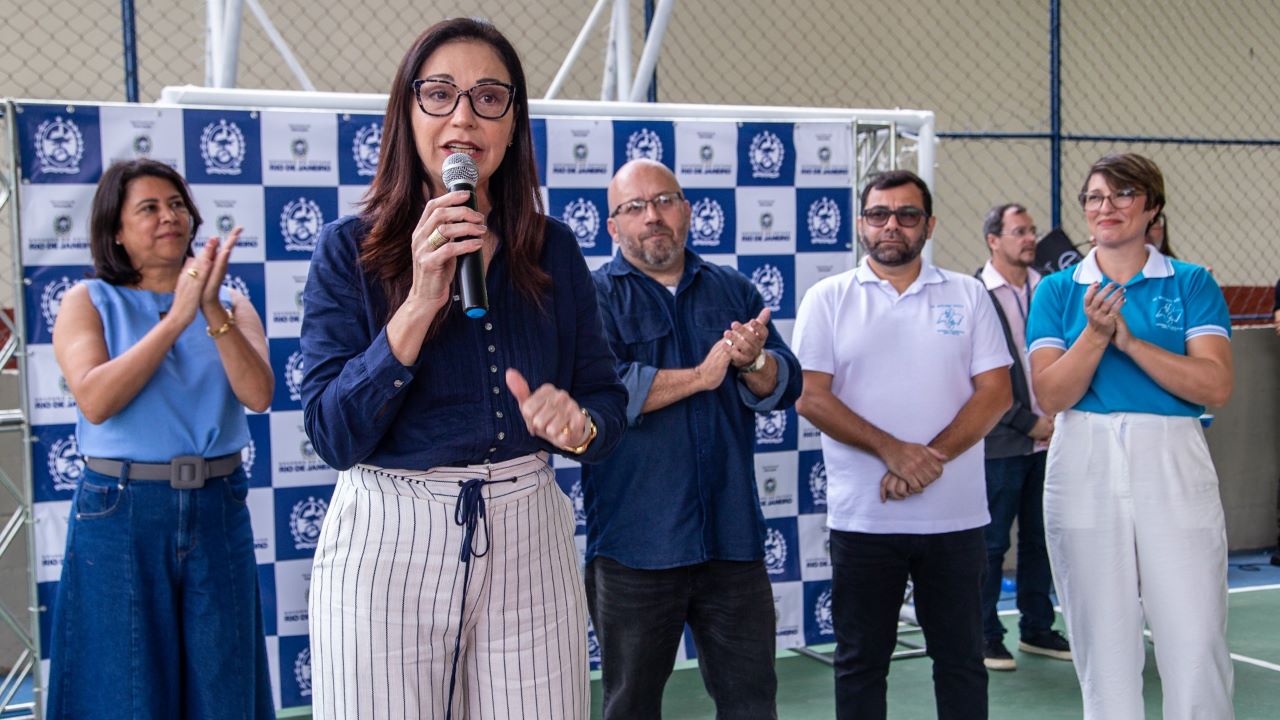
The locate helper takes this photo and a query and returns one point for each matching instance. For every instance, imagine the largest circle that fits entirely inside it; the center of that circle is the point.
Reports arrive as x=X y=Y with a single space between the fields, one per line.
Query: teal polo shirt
x=1167 y=304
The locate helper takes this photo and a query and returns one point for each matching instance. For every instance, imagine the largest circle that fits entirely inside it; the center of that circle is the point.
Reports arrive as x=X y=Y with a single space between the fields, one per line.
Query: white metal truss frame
x=223 y=19
x=20 y=525
x=617 y=82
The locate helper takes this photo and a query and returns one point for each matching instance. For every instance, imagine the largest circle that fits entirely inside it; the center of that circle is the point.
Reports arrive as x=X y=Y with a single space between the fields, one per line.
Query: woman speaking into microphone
x=446 y=579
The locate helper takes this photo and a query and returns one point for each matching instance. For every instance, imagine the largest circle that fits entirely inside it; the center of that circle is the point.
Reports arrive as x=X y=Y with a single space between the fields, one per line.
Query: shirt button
x=495 y=389
x=499 y=413
x=488 y=326
x=492 y=348
x=492 y=450
x=398 y=383
x=493 y=368
x=502 y=436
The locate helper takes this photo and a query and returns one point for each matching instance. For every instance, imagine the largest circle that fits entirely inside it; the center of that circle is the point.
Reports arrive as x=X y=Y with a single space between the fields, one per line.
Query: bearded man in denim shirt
x=675 y=534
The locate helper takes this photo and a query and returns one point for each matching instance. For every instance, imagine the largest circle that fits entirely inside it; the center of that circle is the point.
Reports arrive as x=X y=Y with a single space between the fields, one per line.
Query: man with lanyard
x=1015 y=453
x=675 y=533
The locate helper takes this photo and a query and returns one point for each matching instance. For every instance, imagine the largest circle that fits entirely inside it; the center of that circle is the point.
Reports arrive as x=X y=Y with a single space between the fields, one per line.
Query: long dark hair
x=110 y=260
x=396 y=198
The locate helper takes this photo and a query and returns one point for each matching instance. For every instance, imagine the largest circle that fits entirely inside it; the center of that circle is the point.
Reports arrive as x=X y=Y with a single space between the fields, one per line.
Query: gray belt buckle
x=187 y=472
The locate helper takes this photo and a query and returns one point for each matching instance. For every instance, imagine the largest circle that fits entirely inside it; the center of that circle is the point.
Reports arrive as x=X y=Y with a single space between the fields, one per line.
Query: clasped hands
x=201 y=279
x=1102 y=305
x=912 y=468
x=738 y=346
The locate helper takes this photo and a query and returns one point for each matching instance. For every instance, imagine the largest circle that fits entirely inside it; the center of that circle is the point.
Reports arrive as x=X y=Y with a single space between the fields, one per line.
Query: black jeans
x=1015 y=488
x=640 y=615
x=869 y=577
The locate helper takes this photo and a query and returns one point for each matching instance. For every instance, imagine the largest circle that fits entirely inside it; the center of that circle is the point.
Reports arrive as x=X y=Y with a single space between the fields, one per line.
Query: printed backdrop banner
x=772 y=199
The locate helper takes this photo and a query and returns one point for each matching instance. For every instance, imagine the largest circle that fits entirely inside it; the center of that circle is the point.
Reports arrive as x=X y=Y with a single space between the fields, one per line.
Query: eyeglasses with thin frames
x=439 y=98
x=635 y=208
x=908 y=216
x=1120 y=199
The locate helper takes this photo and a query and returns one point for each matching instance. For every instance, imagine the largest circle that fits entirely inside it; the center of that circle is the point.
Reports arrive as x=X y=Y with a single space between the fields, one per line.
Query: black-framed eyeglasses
x=1120 y=199
x=635 y=208
x=439 y=98
x=908 y=216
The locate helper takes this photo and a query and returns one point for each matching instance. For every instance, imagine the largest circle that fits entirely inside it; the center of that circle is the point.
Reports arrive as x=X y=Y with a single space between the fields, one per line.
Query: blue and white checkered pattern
x=773 y=199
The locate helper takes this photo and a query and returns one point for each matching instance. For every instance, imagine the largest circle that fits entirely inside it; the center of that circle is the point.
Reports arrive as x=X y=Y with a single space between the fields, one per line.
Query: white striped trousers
x=386 y=592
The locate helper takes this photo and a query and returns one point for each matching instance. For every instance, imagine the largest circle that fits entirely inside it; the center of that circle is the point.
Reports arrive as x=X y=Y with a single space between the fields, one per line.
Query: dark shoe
x=996 y=657
x=1050 y=643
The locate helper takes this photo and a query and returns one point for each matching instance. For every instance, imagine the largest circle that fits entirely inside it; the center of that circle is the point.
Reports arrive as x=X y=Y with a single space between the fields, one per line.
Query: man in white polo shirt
x=905 y=370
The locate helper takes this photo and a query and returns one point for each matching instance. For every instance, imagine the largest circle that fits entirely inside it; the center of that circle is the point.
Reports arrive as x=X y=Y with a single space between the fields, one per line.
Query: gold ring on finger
x=436 y=239
x=193 y=272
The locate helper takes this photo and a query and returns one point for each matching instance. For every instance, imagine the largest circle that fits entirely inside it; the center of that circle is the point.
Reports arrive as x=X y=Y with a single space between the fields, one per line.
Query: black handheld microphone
x=460 y=173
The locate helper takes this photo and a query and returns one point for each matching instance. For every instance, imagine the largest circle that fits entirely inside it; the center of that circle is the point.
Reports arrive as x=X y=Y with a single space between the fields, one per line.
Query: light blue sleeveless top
x=187 y=408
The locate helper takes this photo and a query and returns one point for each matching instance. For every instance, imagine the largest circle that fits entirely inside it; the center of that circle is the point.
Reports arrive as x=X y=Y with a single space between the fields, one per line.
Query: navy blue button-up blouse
x=681 y=488
x=452 y=406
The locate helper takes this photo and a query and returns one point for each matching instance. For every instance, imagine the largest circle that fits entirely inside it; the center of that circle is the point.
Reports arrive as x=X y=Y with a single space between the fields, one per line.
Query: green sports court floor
x=1041 y=688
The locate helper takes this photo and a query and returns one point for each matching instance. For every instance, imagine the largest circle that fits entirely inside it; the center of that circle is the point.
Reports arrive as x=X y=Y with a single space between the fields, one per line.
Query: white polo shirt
x=905 y=363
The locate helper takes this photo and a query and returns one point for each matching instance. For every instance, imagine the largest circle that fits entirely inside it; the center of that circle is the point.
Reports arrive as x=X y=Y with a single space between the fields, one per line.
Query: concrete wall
x=1245 y=440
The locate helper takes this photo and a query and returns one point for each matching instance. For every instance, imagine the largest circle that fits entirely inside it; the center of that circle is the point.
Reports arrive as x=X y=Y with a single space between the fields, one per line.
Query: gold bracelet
x=591 y=435
x=227 y=324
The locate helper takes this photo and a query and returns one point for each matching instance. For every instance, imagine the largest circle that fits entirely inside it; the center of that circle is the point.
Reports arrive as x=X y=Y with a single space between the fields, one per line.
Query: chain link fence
x=1135 y=75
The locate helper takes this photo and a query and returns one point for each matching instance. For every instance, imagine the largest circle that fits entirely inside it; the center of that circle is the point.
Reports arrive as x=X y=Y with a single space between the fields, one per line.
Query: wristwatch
x=591 y=435
x=756 y=365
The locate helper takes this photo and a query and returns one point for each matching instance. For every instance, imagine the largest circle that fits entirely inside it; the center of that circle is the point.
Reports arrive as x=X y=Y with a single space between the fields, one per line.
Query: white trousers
x=387 y=589
x=1135 y=530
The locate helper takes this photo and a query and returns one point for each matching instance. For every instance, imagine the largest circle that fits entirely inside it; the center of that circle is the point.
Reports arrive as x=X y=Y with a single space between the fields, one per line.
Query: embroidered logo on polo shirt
x=948 y=319
x=1169 y=314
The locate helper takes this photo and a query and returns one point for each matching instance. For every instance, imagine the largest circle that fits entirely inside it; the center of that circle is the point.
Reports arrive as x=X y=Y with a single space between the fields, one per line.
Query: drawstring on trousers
x=469 y=512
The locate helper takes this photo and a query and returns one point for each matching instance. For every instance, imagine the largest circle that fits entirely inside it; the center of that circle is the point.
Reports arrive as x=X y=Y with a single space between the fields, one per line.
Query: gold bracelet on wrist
x=227 y=324
x=591 y=435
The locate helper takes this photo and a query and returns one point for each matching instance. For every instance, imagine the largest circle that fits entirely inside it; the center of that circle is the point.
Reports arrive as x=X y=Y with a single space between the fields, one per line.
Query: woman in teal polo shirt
x=1128 y=347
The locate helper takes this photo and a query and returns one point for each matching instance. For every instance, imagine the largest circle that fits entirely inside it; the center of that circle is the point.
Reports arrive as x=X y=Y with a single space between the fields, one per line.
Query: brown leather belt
x=185 y=472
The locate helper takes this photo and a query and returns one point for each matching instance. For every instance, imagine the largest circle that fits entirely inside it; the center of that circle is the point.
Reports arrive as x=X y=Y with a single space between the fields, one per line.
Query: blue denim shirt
x=680 y=489
x=452 y=406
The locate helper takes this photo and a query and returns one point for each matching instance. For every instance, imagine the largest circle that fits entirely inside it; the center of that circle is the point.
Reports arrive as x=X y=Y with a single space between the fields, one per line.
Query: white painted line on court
x=1230 y=591
x=1253 y=588
x=1255 y=661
